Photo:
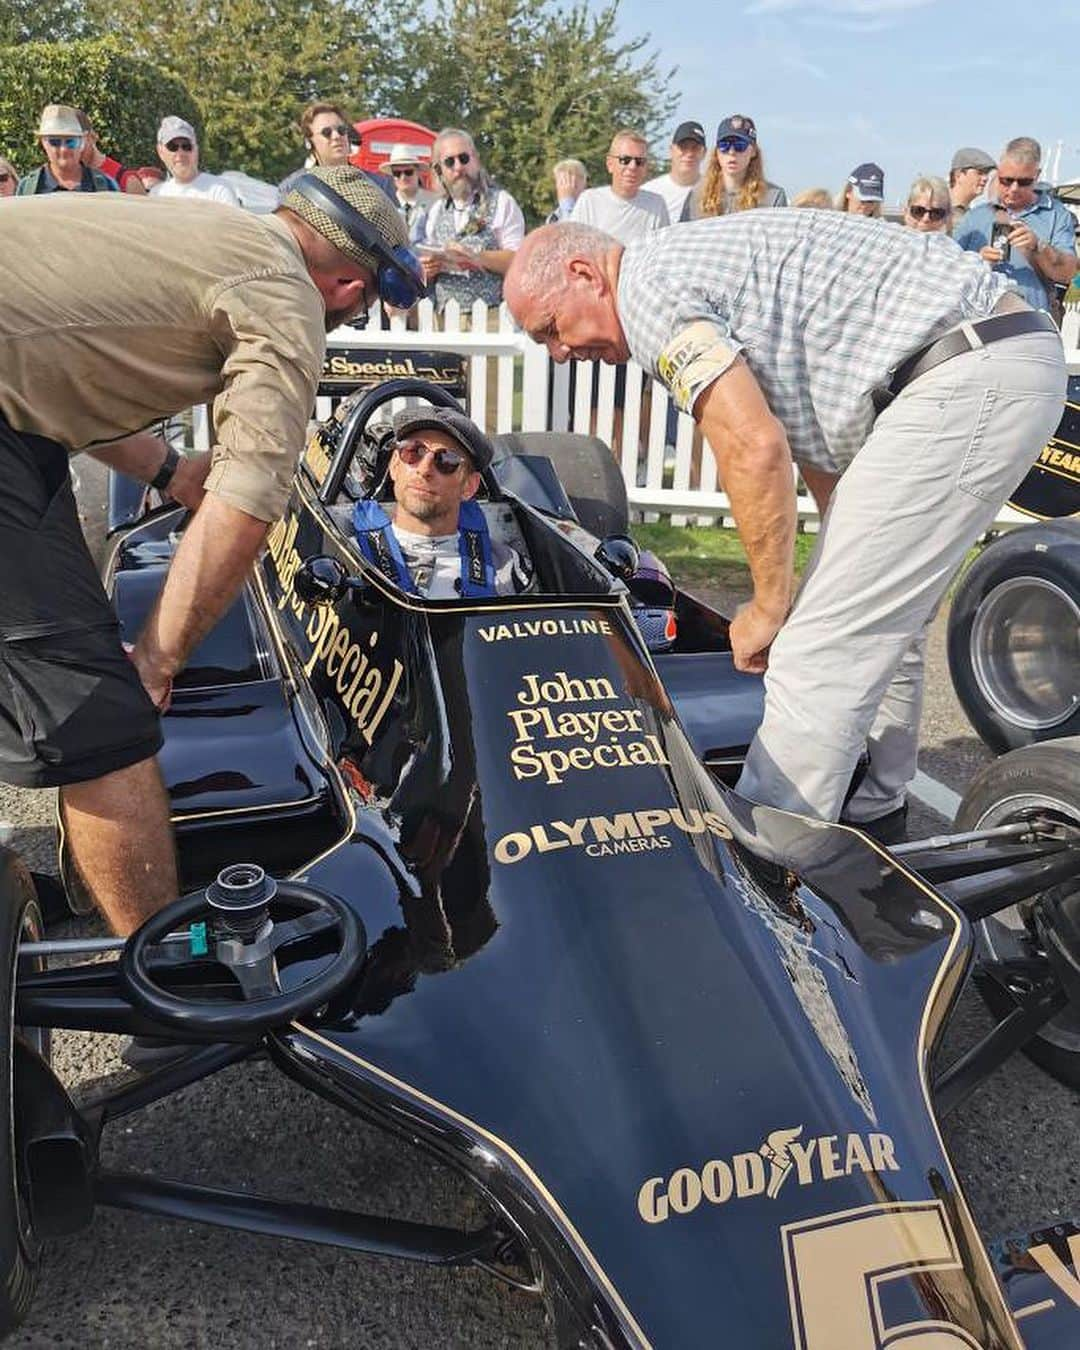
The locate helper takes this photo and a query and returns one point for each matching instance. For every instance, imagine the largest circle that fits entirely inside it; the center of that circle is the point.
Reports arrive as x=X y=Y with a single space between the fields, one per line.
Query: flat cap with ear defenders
x=356 y=216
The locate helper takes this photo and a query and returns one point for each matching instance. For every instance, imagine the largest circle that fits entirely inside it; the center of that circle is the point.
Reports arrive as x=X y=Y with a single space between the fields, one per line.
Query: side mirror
x=619 y=555
x=322 y=580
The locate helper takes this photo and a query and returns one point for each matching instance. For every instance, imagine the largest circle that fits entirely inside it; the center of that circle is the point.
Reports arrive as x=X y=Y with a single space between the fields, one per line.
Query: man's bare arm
x=1056 y=264
x=142 y=454
x=754 y=465
x=211 y=562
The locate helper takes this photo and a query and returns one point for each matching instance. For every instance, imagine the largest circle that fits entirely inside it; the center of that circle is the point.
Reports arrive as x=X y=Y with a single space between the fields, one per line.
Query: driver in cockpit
x=436 y=541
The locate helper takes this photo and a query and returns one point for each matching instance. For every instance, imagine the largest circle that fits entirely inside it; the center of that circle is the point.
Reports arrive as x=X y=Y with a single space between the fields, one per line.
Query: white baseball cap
x=171 y=127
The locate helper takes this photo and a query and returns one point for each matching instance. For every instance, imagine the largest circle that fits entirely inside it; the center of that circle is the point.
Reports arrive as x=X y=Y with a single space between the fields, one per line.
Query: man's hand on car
x=187 y=482
x=751 y=635
x=157 y=684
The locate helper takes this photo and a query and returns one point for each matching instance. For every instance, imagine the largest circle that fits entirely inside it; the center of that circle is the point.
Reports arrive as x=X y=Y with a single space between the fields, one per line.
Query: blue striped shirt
x=823 y=306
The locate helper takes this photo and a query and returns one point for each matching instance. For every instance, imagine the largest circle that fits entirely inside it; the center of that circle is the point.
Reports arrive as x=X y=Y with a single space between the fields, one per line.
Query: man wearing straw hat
x=413 y=201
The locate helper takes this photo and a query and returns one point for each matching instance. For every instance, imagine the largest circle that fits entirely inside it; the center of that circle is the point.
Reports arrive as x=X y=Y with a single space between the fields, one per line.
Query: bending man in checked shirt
x=909 y=383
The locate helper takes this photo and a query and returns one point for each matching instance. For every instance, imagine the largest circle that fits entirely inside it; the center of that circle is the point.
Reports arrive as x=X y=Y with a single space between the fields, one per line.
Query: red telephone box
x=379 y=135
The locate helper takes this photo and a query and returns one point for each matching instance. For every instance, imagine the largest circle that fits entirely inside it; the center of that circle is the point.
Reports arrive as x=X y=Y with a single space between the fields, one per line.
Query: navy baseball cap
x=736 y=125
x=868 y=180
x=456 y=425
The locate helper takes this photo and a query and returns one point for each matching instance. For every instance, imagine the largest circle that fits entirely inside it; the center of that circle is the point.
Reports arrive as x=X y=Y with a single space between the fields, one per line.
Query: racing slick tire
x=589 y=473
x=20 y=1250
x=1045 y=778
x=1014 y=636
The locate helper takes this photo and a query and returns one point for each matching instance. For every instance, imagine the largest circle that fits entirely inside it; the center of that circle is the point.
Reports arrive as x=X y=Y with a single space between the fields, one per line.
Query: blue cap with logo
x=736 y=125
x=868 y=180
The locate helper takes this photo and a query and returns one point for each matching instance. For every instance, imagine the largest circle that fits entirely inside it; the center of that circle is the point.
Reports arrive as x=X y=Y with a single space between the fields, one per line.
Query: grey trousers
x=846 y=670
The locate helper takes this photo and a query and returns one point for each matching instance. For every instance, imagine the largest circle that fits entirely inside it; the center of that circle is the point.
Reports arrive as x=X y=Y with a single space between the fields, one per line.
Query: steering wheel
x=354 y=430
x=233 y=929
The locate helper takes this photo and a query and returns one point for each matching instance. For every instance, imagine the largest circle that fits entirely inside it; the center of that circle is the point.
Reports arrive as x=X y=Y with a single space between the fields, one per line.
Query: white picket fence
x=514 y=386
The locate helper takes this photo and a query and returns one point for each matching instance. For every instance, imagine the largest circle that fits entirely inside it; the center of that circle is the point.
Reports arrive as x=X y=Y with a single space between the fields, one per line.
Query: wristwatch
x=167 y=472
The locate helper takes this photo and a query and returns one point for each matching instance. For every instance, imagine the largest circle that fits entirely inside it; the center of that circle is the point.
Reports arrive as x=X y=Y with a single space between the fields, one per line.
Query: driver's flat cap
x=463 y=430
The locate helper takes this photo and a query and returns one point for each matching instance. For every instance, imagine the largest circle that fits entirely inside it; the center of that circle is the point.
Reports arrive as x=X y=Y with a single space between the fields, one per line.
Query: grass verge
x=707 y=553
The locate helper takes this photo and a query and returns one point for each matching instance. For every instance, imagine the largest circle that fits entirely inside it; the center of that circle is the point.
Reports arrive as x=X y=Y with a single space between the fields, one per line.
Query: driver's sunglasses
x=178 y=144
x=342 y=129
x=68 y=142
x=733 y=145
x=403 y=173
x=934 y=213
x=413 y=453
x=627 y=160
x=450 y=160
x=1020 y=182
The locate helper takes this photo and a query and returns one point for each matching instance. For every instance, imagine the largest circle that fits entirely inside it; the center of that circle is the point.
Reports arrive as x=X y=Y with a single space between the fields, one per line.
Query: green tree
x=125 y=98
x=253 y=64
x=533 y=83
x=31 y=21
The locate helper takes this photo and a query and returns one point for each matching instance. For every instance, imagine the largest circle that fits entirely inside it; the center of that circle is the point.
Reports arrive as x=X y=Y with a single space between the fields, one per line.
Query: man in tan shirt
x=118 y=312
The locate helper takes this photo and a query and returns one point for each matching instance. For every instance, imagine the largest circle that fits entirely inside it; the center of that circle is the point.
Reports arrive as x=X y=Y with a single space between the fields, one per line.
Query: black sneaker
x=887 y=829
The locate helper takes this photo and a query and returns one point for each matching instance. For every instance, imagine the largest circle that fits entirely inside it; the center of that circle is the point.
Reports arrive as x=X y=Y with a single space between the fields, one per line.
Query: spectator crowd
x=466 y=228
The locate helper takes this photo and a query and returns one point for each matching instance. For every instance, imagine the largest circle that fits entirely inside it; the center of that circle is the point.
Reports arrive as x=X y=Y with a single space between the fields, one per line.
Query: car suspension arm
x=1033 y=1010
x=984 y=894
x=304 y=1223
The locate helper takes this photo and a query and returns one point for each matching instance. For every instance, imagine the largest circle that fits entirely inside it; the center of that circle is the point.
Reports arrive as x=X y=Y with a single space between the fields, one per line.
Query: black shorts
x=72 y=706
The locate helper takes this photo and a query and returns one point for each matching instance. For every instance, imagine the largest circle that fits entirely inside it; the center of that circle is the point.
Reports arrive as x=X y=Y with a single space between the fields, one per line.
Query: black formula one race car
x=469 y=868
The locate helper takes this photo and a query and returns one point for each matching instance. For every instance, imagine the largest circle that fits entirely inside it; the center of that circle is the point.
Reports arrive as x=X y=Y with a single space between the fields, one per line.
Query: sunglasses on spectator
x=733 y=145
x=340 y=130
x=626 y=160
x=68 y=142
x=1020 y=182
x=403 y=173
x=934 y=213
x=450 y=160
x=413 y=453
x=5 y=176
x=178 y=144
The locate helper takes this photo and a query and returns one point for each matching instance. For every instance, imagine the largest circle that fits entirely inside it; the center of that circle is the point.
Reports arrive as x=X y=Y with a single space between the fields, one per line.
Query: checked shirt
x=823 y=307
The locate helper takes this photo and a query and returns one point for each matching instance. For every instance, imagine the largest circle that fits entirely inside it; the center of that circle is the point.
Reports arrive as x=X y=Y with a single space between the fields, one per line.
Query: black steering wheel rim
x=249 y=1018
x=368 y=404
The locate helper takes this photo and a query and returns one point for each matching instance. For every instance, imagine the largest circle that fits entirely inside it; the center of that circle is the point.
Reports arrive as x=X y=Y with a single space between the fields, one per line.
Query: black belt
x=958 y=341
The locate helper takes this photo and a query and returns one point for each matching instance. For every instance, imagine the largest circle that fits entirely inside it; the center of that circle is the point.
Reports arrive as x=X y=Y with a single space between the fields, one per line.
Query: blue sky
x=831 y=83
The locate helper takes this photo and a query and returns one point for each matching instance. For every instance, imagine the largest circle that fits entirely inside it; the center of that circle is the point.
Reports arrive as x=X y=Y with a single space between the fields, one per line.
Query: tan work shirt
x=116 y=311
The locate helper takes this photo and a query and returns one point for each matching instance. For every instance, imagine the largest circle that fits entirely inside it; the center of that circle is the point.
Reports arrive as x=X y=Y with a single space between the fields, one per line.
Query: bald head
x=561 y=289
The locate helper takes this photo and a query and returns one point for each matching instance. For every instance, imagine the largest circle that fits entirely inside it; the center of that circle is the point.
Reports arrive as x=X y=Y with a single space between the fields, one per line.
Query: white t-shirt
x=208 y=186
x=674 y=194
x=626 y=218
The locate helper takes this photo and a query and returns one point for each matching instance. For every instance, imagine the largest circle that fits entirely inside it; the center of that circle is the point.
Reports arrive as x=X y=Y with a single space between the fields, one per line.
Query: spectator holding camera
x=928 y=206
x=735 y=178
x=1028 y=236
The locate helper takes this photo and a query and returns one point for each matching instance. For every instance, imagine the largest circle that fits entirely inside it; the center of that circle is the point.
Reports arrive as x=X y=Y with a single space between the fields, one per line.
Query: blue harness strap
x=379 y=545
x=474 y=539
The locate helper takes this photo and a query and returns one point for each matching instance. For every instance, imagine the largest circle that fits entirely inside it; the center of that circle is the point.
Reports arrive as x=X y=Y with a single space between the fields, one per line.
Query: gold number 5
x=836 y=1265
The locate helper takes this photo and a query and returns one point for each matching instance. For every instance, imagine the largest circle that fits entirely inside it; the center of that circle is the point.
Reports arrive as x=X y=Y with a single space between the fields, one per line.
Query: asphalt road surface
x=131 y=1282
